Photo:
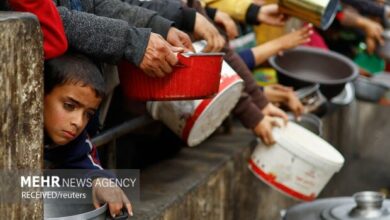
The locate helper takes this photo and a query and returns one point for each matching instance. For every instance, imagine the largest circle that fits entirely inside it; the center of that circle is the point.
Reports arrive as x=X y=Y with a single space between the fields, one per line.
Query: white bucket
x=299 y=165
x=195 y=120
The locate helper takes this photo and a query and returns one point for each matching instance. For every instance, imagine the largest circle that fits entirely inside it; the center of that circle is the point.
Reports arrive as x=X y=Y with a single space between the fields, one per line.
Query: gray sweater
x=110 y=30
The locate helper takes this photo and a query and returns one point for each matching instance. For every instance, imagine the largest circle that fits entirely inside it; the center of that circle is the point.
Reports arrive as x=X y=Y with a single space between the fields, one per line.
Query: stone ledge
x=210 y=181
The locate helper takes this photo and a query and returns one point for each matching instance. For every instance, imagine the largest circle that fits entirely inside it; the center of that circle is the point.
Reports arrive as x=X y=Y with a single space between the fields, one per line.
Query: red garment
x=54 y=38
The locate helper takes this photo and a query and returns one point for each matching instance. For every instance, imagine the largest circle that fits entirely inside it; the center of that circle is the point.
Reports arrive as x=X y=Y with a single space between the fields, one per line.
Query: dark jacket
x=78 y=154
x=110 y=30
x=183 y=17
x=367 y=7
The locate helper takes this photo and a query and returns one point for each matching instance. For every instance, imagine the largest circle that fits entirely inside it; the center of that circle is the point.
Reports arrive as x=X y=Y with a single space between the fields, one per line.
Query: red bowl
x=196 y=76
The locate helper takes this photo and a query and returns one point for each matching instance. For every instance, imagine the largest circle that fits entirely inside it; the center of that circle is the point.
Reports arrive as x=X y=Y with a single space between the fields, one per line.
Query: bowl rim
x=329 y=53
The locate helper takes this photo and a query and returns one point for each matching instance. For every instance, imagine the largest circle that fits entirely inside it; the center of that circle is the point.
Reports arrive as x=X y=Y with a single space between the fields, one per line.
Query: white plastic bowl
x=299 y=165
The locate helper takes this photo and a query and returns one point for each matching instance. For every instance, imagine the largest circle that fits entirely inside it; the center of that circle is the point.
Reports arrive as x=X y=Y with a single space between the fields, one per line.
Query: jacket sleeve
x=135 y=16
x=242 y=10
x=252 y=101
x=367 y=7
x=105 y=39
x=54 y=39
x=183 y=17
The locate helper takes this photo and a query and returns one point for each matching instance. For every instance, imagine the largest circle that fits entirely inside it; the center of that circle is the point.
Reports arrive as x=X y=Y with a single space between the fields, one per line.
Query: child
x=74 y=89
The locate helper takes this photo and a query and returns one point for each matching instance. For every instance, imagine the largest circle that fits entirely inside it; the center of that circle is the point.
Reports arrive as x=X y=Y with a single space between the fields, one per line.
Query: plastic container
x=195 y=120
x=299 y=165
x=195 y=76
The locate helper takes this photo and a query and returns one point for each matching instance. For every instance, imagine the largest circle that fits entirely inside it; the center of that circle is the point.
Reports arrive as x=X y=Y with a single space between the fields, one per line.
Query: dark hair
x=4 y=5
x=74 y=69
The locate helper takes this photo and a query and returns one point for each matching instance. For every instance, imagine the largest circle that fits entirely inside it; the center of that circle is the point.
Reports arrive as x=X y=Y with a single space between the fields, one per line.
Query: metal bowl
x=369 y=91
x=303 y=66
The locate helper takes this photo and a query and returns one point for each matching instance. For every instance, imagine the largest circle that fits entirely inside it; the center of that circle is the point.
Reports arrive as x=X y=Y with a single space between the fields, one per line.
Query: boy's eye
x=69 y=106
x=90 y=114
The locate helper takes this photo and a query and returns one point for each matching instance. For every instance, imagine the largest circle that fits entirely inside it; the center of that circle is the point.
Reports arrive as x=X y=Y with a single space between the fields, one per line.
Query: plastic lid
x=308 y=146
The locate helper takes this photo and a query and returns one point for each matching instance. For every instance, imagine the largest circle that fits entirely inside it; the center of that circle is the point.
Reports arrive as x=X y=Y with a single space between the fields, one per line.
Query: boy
x=74 y=89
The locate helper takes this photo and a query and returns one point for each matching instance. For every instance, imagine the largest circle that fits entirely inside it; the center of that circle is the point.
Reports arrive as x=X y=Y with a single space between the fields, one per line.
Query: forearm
x=105 y=39
x=351 y=18
x=134 y=15
x=367 y=7
x=264 y=51
x=183 y=17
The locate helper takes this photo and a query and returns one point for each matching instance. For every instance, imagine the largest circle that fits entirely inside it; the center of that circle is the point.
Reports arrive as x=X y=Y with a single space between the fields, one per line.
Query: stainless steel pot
x=346 y=96
x=310 y=122
x=363 y=206
x=369 y=91
x=77 y=212
x=312 y=99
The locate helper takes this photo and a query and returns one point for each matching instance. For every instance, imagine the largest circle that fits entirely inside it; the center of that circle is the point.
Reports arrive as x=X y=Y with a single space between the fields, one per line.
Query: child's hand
x=296 y=38
x=295 y=105
x=373 y=31
x=178 y=38
x=270 y=14
x=285 y=96
x=205 y=30
x=273 y=111
x=112 y=195
x=264 y=129
x=227 y=22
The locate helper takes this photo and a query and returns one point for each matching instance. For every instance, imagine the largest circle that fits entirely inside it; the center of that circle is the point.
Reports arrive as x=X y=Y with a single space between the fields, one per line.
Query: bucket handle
x=183 y=61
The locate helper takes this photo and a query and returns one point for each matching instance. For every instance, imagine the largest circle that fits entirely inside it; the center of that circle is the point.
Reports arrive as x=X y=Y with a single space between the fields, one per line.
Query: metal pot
x=369 y=91
x=304 y=66
x=77 y=212
x=363 y=205
x=346 y=96
x=310 y=122
x=312 y=99
x=320 y=13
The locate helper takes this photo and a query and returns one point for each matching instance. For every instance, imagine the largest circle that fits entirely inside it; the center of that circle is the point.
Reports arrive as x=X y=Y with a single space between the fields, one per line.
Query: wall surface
x=21 y=103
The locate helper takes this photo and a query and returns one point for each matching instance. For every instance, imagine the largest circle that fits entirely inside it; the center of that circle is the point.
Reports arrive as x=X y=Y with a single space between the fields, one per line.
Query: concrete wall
x=209 y=182
x=21 y=103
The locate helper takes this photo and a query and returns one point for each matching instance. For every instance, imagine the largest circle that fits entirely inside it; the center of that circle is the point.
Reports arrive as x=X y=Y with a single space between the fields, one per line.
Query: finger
x=270 y=138
x=209 y=44
x=265 y=139
x=158 y=73
x=381 y=41
x=127 y=203
x=177 y=49
x=276 y=123
x=188 y=44
x=95 y=202
x=165 y=67
x=115 y=209
x=171 y=58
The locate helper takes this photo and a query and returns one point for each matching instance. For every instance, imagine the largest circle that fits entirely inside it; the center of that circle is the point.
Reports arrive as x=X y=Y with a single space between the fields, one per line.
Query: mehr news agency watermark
x=60 y=185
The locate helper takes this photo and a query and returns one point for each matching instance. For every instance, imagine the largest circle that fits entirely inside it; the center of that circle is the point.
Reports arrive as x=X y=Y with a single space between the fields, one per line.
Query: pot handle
x=183 y=61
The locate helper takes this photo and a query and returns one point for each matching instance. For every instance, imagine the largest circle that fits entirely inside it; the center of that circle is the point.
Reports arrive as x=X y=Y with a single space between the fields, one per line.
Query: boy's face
x=67 y=111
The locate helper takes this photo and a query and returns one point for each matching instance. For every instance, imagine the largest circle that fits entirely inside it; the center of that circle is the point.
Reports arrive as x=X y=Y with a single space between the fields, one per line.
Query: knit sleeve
x=105 y=39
